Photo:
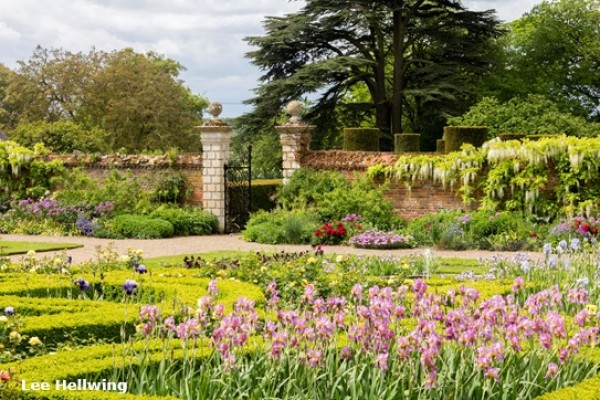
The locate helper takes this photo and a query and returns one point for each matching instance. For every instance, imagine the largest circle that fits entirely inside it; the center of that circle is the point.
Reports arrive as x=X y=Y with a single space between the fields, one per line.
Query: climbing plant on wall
x=543 y=177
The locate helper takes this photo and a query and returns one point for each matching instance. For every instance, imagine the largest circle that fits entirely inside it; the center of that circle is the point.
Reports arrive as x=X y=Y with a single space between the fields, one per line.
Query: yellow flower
x=339 y=258
x=35 y=341
x=3 y=318
x=591 y=308
x=124 y=258
x=311 y=260
x=263 y=269
x=139 y=252
x=14 y=337
x=57 y=261
x=405 y=266
x=31 y=253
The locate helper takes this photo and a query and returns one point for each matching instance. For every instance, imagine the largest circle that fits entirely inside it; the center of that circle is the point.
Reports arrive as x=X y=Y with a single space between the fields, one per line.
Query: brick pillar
x=295 y=138
x=215 y=136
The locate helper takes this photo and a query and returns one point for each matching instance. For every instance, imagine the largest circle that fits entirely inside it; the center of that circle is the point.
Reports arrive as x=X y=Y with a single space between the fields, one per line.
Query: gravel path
x=201 y=244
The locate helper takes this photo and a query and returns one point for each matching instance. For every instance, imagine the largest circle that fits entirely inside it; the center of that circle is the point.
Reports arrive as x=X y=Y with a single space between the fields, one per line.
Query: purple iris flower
x=83 y=284
x=129 y=286
x=10 y=311
x=141 y=269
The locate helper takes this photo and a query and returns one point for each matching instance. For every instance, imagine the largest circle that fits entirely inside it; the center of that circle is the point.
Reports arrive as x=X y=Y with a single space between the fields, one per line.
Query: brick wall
x=147 y=169
x=421 y=199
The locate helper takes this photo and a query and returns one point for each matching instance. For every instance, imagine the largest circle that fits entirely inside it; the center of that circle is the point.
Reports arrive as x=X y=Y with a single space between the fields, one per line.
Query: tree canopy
x=534 y=114
x=554 y=51
x=137 y=100
x=411 y=56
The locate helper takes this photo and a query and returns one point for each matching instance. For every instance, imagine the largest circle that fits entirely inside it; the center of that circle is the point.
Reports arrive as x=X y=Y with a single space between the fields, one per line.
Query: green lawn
x=446 y=265
x=178 y=259
x=10 y=248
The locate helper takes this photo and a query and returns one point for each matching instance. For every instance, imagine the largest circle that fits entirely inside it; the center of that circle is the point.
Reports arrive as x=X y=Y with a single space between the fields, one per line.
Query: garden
x=288 y=325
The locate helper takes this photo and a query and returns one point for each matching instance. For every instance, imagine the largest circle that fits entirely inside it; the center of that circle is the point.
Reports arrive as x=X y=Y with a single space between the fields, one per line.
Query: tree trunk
x=398 y=88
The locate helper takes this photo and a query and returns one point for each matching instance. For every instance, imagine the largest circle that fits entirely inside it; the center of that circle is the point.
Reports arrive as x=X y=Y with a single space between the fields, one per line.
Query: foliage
x=534 y=114
x=170 y=189
x=138 y=98
x=137 y=227
x=511 y=175
x=361 y=139
x=264 y=192
x=280 y=226
x=407 y=143
x=332 y=197
x=411 y=56
x=23 y=173
x=456 y=136
x=187 y=221
x=63 y=136
x=554 y=50
x=476 y=230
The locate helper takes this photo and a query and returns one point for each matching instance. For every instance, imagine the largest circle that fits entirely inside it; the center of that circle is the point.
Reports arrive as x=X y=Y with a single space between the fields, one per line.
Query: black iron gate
x=238 y=192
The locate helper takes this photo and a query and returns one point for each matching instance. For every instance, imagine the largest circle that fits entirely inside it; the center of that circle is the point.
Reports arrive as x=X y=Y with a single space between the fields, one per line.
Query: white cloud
x=205 y=36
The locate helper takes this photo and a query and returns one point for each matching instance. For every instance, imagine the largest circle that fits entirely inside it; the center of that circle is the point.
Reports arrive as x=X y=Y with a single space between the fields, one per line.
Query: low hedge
x=361 y=139
x=140 y=227
x=440 y=145
x=263 y=194
x=187 y=221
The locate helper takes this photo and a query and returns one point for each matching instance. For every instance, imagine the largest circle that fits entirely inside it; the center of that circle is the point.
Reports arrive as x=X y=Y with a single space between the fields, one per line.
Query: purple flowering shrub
x=381 y=240
x=82 y=218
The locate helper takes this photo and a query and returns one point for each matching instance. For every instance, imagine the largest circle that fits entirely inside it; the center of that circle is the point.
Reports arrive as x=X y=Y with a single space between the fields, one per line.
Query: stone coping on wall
x=131 y=161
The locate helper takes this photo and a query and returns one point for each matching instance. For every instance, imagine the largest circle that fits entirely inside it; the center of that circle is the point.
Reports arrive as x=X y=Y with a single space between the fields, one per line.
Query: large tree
x=403 y=51
x=553 y=50
x=137 y=99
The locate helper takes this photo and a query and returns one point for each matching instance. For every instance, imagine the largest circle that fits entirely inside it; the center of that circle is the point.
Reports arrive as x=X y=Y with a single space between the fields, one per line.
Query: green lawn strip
x=450 y=265
x=10 y=248
x=460 y=265
x=177 y=260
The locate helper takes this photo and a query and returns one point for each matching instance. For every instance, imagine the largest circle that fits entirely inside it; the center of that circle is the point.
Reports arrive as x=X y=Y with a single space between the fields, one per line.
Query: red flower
x=533 y=235
x=594 y=230
x=585 y=228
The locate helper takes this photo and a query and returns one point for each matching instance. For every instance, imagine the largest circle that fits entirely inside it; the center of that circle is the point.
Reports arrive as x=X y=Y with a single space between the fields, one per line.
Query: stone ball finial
x=295 y=109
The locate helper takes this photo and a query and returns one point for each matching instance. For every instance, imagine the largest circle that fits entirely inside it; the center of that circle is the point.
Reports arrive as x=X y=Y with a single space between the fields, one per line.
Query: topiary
x=407 y=143
x=456 y=136
x=140 y=227
x=361 y=139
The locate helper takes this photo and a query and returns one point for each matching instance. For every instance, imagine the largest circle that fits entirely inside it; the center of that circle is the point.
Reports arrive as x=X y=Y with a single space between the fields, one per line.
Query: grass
x=177 y=260
x=446 y=265
x=10 y=248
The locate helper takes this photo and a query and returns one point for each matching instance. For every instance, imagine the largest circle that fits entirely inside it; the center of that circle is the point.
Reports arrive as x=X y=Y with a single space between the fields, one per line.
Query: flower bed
x=353 y=326
x=381 y=240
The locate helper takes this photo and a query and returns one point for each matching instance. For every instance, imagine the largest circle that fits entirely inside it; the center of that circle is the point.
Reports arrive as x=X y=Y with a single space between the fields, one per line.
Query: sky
x=205 y=36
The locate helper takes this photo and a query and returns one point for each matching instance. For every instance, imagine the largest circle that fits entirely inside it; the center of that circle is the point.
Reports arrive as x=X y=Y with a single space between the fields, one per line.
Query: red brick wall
x=421 y=199
x=147 y=169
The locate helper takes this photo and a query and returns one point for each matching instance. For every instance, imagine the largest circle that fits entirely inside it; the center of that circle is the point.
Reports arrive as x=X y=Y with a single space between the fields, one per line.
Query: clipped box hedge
x=361 y=139
x=440 y=145
x=407 y=142
x=456 y=136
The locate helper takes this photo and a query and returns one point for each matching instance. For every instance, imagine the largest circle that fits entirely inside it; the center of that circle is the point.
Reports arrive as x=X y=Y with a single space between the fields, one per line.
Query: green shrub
x=365 y=139
x=456 y=136
x=187 y=221
x=280 y=226
x=263 y=194
x=407 y=143
x=171 y=188
x=306 y=187
x=139 y=227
